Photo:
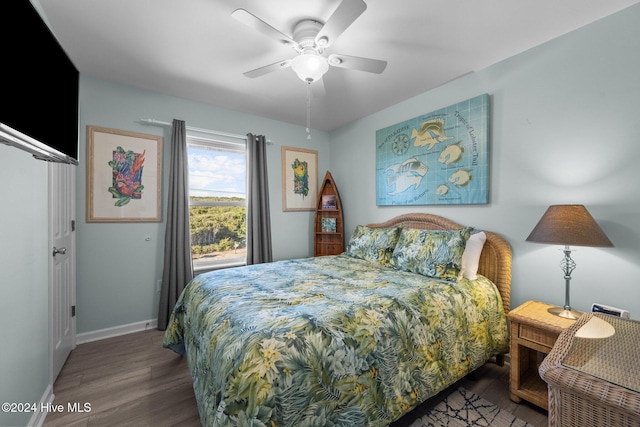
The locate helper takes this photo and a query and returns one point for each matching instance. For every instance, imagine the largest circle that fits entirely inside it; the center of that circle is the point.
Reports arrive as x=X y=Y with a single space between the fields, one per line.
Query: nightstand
x=593 y=381
x=534 y=331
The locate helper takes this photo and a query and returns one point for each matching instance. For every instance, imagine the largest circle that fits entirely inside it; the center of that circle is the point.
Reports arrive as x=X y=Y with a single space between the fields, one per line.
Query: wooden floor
x=132 y=380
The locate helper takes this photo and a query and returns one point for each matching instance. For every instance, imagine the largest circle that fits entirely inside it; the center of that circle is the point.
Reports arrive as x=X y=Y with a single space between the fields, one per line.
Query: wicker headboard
x=495 y=260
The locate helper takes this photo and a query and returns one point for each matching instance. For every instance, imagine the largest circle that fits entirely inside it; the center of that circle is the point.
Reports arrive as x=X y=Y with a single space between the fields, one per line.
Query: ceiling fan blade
x=268 y=69
x=356 y=63
x=344 y=15
x=262 y=27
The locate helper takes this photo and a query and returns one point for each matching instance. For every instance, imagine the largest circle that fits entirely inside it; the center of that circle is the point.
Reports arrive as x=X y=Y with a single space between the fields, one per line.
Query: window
x=217 y=202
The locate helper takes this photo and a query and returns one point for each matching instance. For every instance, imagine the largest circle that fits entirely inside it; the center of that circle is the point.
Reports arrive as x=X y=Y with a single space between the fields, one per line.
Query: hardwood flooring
x=132 y=380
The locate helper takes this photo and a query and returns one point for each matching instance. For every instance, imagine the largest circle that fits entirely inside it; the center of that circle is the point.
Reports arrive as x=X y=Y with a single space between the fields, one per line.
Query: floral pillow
x=432 y=253
x=373 y=244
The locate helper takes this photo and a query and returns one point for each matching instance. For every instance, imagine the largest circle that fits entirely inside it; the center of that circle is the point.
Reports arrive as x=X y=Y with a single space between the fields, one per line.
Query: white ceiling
x=194 y=49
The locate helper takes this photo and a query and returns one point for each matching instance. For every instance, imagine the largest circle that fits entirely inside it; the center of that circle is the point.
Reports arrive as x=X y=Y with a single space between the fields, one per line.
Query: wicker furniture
x=595 y=381
x=533 y=333
x=496 y=257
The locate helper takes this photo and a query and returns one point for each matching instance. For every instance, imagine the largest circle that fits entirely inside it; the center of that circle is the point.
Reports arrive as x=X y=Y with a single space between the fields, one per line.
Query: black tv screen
x=40 y=83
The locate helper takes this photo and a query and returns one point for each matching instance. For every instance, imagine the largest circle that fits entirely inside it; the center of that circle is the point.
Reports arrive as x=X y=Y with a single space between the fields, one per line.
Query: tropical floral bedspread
x=329 y=341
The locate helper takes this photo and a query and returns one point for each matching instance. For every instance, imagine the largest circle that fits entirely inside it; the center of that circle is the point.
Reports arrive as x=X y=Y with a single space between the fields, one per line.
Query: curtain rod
x=153 y=122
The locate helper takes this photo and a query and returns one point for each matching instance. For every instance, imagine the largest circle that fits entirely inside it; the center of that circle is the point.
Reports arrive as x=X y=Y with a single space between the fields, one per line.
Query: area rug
x=462 y=408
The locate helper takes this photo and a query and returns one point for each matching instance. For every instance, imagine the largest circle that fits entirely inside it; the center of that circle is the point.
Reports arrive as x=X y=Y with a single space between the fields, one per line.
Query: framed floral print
x=123 y=176
x=299 y=179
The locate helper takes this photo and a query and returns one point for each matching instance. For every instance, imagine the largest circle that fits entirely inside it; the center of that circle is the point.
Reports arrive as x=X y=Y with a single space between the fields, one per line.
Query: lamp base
x=567 y=314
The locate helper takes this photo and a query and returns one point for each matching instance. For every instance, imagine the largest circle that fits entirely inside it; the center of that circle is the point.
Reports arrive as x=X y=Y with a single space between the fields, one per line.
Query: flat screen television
x=39 y=99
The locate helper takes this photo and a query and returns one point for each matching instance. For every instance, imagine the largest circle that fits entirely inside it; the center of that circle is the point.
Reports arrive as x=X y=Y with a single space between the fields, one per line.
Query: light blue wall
x=118 y=268
x=565 y=128
x=24 y=307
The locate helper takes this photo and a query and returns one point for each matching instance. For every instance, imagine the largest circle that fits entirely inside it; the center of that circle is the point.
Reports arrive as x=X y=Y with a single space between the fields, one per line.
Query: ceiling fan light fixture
x=310 y=66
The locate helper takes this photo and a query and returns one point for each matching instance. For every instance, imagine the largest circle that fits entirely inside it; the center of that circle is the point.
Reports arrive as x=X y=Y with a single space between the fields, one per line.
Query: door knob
x=60 y=251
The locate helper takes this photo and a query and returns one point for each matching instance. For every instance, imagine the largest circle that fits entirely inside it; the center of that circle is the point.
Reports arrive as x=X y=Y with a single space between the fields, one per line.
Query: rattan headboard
x=495 y=260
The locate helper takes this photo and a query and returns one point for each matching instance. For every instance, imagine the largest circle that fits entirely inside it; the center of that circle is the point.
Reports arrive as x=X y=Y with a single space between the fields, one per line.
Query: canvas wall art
x=439 y=158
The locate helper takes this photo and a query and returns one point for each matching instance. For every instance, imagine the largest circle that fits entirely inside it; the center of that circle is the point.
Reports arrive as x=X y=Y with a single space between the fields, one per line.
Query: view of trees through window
x=218 y=233
x=217 y=202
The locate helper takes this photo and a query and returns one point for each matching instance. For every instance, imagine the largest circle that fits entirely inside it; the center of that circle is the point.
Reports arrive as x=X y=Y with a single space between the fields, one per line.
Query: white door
x=62 y=265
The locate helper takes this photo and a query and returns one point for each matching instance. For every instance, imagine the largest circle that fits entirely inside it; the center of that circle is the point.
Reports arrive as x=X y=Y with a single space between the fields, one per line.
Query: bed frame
x=495 y=260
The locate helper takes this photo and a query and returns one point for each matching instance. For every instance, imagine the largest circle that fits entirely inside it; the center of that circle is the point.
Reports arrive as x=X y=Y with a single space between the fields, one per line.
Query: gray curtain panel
x=258 y=217
x=178 y=267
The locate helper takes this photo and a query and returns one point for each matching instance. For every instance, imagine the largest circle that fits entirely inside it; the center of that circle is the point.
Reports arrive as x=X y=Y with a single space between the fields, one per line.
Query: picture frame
x=328 y=225
x=329 y=202
x=299 y=179
x=124 y=172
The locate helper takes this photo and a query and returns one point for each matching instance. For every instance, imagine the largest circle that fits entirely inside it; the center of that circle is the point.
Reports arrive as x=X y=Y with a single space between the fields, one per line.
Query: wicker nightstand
x=593 y=379
x=533 y=333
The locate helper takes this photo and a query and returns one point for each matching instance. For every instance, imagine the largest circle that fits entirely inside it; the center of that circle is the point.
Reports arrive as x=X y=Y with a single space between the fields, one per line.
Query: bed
x=359 y=338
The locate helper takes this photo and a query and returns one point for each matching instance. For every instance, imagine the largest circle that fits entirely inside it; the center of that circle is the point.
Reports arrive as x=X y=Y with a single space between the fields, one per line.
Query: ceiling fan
x=309 y=39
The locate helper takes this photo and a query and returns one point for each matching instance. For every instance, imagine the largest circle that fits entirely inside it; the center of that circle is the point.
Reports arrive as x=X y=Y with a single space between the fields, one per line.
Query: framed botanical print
x=299 y=179
x=123 y=176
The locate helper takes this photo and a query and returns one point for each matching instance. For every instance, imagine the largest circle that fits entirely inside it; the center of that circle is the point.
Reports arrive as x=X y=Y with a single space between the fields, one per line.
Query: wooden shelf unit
x=329 y=225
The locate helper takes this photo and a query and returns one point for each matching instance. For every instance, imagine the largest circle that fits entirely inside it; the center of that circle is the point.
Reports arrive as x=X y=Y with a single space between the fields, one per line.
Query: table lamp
x=568 y=225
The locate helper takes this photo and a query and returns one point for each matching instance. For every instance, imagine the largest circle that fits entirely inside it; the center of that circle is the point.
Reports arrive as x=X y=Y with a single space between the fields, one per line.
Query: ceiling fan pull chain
x=309 y=110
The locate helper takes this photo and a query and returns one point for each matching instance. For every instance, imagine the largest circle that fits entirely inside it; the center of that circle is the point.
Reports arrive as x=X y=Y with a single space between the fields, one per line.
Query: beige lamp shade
x=569 y=225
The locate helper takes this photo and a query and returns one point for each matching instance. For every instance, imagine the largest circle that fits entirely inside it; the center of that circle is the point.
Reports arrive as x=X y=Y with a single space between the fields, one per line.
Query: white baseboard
x=116 y=331
x=37 y=419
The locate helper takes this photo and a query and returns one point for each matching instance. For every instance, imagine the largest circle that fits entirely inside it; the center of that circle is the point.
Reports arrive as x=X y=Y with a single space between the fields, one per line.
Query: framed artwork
x=329 y=202
x=439 y=158
x=329 y=225
x=299 y=179
x=123 y=176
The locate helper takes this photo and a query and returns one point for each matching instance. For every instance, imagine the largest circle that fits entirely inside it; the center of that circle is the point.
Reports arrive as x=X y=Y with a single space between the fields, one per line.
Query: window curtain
x=258 y=217
x=178 y=267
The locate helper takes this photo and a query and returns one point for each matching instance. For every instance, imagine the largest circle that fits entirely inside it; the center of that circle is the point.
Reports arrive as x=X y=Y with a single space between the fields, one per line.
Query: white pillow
x=471 y=255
